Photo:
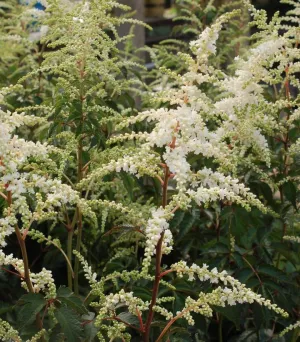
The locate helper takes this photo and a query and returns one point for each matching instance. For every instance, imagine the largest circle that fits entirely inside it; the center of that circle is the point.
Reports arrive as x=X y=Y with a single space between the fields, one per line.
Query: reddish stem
x=120 y=320
x=157 y=262
x=165 y=273
x=11 y=272
x=140 y=320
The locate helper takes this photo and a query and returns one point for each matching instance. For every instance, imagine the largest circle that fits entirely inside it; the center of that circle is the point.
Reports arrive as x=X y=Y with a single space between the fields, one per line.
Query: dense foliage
x=177 y=221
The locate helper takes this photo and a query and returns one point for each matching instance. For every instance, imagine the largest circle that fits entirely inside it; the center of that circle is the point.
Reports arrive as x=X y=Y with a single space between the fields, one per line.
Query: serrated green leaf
x=70 y=323
x=185 y=225
x=33 y=303
x=56 y=334
x=90 y=331
x=238 y=259
x=217 y=248
x=247 y=336
x=244 y=275
x=273 y=272
x=66 y=296
x=177 y=219
x=129 y=318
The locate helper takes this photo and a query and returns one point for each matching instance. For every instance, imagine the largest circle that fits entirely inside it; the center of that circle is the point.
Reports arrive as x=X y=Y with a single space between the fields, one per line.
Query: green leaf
x=232 y=313
x=129 y=318
x=177 y=219
x=142 y=292
x=56 y=334
x=290 y=192
x=178 y=334
x=186 y=225
x=238 y=260
x=33 y=303
x=4 y=307
x=266 y=335
x=290 y=255
x=179 y=302
x=247 y=336
x=237 y=218
x=266 y=192
x=129 y=184
x=66 y=296
x=243 y=275
x=70 y=323
x=90 y=331
x=259 y=315
x=273 y=272
x=183 y=285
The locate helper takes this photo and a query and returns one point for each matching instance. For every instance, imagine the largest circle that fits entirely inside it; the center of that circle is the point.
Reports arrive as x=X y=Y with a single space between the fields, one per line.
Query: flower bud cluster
x=50 y=194
x=6 y=260
x=7 y=224
x=156 y=226
x=292 y=238
x=115 y=331
x=112 y=301
x=164 y=312
x=205 y=45
x=201 y=306
x=37 y=336
x=7 y=333
x=290 y=328
x=232 y=243
x=211 y=186
x=238 y=293
x=132 y=213
x=89 y=274
x=42 y=282
x=142 y=162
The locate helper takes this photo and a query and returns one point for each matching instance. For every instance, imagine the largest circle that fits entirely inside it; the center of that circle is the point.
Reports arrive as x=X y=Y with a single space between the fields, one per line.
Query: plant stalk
x=220 y=325
x=78 y=246
x=79 y=218
x=79 y=178
x=69 y=256
x=23 y=248
x=157 y=262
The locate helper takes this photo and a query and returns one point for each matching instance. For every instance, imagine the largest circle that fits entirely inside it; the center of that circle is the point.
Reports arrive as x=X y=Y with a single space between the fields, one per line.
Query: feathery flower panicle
x=222 y=119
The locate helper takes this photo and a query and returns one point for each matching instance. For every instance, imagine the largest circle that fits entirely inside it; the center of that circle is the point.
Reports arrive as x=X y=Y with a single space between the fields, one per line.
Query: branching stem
x=79 y=178
x=26 y=276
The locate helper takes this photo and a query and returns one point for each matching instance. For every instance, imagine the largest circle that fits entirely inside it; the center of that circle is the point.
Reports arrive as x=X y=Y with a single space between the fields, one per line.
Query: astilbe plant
x=261 y=259
x=91 y=79
x=232 y=131
x=31 y=195
x=94 y=85
x=227 y=126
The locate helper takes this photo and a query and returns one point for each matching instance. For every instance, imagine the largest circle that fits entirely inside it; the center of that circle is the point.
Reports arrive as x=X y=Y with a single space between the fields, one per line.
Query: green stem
x=220 y=330
x=69 y=257
x=27 y=279
x=78 y=246
x=79 y=218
